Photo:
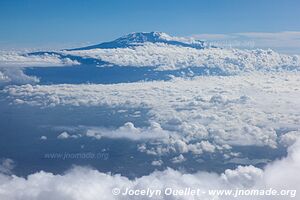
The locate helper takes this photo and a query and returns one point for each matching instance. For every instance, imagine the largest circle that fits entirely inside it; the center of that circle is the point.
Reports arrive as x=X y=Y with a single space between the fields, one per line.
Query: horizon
x=30 y=24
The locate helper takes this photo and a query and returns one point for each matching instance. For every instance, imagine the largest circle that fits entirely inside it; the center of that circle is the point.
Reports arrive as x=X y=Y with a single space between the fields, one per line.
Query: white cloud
x=63 y=135
x=233 y=110
x=212 y=36
x=178 y=159
x=289 y=138
x=87 y=184
x=293 y=37
x=129 y=131
x=66 y=135
x=286 y=41
x=171 y=57
x=207 y=146
x=43 y=137
x=241 y=177
x=21 y=59
x=157 y=162
x=12 y=64
x=15 y=76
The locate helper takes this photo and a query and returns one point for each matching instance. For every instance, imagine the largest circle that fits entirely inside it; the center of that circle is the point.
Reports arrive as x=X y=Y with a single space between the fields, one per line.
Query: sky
x=66 y=23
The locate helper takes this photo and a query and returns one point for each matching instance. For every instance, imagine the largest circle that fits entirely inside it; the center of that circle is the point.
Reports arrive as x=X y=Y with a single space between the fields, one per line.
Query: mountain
x=134 y=39
x=151 y=56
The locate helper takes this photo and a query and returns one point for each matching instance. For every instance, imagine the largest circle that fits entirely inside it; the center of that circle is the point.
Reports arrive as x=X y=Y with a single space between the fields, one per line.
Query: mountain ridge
x=138 y=38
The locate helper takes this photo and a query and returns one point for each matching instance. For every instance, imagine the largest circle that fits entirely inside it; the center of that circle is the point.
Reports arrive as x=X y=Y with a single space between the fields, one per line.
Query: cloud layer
x=184 y=119
x=287 y=41
x=88 y=184
x=21 y=59
x=11 y=64
x=171 y=57
x=204 y=114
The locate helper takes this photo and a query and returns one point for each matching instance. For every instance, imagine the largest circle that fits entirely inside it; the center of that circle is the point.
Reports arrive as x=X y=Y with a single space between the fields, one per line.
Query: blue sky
x=58 y=23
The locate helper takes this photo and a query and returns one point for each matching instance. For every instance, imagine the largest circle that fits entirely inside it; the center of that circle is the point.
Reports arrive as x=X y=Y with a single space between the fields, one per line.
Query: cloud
x=168 y=57
x=157 y=162
x=4 y=77
x=286 y=41
x=6 y=166
x=286 y=35
x=87 y=184
x=213 y=36
x=15 y=76
x=281 y=173
x=21 y=59
x=203 y=115
x=289 y=138
x=178 y=159
x=12 y=64
x=171 y=57
x=129 y=131
x=43 y=137
x=242 y=176
x=66 y=135
x=63 y=135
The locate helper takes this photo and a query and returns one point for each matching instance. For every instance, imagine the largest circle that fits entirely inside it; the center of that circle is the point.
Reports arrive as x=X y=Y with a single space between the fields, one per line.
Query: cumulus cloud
x=129 y=131
x=171 y=57
x=43 y=137
x=63 y=135
x=157 y=162
x=88 y=184
x=201 y=115
x=178 y=159
x=12 y=64
x=15 y=76
x=289 y=138
x=21 y=59
x=66 y=135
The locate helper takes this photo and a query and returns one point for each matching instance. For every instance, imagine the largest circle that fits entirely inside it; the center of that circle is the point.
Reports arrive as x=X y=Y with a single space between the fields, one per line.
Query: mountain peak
x=138 y=38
